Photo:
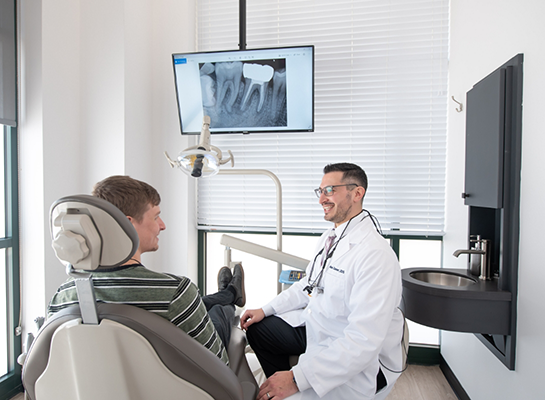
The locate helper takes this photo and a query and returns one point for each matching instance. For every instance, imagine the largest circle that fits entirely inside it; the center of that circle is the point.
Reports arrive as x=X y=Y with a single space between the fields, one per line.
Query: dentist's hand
x=278 y=387
x=251 y=317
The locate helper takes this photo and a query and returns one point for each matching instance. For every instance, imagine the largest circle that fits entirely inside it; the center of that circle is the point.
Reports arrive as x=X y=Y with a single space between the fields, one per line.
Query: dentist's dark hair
x=131 y=196
x=352 y=173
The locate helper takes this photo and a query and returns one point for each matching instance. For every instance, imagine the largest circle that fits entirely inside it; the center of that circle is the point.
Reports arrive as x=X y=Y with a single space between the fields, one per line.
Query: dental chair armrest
x=237 y=345
x=239 y=364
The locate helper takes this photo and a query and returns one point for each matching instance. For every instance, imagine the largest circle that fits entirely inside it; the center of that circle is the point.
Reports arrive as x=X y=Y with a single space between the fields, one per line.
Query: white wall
x=97 y=98
x=484 y=35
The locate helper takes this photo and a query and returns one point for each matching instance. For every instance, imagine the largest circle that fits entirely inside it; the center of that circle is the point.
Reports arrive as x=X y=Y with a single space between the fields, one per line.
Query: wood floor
x=416 y=383
x=420 y=382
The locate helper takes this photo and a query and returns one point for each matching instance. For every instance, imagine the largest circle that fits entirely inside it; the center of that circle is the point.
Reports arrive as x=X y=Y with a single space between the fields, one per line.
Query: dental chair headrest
x=91 y=233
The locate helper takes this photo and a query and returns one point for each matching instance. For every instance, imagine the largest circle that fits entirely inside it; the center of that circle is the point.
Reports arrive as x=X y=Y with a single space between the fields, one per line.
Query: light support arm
x=278 y=207
x=202 y=160
x=205 y=160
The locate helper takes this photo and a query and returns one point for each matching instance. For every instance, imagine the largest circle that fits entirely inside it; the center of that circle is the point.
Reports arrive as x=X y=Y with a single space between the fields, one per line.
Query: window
x=421 y=253
x=380 y=101
x=10 y=341
x=260 y=274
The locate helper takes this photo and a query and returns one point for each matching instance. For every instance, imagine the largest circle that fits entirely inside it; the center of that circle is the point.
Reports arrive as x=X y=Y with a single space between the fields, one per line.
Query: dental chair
x=114 y=351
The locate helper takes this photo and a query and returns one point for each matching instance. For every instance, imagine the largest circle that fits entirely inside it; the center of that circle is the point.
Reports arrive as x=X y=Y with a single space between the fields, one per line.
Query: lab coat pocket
x=334 y=293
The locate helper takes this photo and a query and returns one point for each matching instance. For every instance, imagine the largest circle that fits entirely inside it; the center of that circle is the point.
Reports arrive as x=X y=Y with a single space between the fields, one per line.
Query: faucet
x=482 y=266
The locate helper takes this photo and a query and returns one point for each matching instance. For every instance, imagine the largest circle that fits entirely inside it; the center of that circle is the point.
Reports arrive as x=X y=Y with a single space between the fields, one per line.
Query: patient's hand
x=251 y=317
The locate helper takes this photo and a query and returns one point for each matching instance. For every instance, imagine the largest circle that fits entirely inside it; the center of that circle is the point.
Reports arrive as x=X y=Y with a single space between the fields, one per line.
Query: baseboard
x=424 y=355
x=452 y=380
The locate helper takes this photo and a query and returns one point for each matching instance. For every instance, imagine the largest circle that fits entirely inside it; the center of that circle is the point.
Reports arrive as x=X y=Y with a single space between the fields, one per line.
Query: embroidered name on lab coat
x=336 y=269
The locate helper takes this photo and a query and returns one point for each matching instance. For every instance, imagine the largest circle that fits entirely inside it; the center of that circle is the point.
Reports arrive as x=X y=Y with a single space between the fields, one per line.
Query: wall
x=97 y=98
x=485 y=34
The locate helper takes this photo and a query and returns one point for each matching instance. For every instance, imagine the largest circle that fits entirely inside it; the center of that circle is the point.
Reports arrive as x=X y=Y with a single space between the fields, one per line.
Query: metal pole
x=242 y=24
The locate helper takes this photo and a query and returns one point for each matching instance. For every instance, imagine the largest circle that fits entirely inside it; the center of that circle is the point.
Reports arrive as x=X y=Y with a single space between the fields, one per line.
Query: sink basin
x=453 y=300
x=443 y=278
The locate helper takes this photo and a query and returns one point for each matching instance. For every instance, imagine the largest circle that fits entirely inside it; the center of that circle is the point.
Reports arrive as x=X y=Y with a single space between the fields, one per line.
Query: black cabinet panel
x=485 y=142
x=492 y=183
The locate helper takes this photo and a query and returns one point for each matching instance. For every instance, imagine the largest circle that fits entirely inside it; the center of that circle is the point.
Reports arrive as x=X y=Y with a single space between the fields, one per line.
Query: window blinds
x=380 y=102
x=8 y=64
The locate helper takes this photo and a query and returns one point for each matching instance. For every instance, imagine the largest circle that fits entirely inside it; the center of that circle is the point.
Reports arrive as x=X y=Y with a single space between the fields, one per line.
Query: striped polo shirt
x=172 y=297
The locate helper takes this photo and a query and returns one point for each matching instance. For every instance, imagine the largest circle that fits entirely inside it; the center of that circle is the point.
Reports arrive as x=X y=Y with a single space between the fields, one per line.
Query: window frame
x=10 y=383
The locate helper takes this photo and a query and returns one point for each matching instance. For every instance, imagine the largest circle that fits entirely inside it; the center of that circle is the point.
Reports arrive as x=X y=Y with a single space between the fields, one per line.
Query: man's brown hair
x=130 y=195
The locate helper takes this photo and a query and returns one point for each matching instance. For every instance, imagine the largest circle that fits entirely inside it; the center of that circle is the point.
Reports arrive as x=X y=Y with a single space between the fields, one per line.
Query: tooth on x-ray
x=228 y=77
x=208 y=85
x=279 y=89
x=257 y=77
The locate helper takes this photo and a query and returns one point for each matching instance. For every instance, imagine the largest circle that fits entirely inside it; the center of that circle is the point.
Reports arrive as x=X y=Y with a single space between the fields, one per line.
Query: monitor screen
x=243 y=91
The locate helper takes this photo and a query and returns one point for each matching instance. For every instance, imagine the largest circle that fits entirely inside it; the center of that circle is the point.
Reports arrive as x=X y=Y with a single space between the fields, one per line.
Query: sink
x=452 y=299
x=443 y=278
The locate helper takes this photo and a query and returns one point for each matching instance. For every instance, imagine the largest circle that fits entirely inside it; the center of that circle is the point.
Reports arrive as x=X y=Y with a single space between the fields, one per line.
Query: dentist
x=342 y=318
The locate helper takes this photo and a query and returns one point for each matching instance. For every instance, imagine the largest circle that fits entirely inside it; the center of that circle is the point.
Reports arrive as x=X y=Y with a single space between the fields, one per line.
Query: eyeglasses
x=328 y=190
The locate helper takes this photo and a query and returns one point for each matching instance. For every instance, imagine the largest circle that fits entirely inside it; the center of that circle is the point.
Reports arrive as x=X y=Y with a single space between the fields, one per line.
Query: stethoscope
x=314 y=284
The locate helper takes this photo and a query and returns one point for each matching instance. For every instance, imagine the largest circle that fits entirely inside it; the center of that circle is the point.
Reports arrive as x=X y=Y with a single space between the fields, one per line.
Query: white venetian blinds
x=380 y=102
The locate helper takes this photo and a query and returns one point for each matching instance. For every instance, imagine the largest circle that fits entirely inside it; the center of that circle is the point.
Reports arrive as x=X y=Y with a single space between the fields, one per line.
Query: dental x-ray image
x=244 y=93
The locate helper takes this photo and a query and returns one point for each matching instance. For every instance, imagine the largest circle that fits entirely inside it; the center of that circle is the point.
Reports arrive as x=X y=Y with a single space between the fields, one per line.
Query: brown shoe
x=238 y=284
x=224 y=278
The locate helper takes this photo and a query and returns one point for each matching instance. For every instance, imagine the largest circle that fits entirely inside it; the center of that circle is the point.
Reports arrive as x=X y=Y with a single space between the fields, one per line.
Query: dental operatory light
x=202 y=160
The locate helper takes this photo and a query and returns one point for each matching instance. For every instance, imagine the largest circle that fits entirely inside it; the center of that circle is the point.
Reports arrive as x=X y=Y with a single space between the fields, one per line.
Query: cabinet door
x=485 y=126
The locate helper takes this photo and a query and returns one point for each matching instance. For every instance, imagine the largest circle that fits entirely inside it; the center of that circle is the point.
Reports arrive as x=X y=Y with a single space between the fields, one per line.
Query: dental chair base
x=132 y=354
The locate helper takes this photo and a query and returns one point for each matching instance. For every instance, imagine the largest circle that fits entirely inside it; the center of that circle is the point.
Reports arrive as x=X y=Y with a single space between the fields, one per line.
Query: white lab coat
x=354 y=322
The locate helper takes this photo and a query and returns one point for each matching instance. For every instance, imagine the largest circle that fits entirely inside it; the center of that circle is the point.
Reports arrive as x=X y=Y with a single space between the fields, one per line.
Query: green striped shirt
x=172 y=297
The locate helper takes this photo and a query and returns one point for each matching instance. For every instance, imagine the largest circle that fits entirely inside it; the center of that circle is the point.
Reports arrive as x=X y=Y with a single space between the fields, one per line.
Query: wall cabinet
x=485 y=128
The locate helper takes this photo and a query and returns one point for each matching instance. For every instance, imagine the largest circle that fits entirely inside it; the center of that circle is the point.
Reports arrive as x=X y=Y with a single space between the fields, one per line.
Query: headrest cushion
x=91 y=233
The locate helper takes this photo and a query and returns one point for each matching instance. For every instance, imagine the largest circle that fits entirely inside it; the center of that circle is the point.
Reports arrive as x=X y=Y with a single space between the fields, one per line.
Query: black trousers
x=221 y=310
x=274 y=341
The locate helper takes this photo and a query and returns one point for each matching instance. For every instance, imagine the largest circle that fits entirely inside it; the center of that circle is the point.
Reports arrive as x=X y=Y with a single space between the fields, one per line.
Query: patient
x=207 y=319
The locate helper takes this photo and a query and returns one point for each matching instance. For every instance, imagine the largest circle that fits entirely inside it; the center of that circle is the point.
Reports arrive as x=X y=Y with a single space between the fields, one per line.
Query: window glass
x=3 y=315
x=421 y=254
x=10 y=343
x=259 y=273
x=2 y=185
x=3 y=273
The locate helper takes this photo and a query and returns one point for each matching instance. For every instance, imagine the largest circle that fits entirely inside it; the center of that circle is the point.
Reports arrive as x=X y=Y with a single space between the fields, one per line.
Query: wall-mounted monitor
x=243 y=91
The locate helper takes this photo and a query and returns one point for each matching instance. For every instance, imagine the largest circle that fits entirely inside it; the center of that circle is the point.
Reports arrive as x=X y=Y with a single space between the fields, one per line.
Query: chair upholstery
x=180 y=353
x=81 y=227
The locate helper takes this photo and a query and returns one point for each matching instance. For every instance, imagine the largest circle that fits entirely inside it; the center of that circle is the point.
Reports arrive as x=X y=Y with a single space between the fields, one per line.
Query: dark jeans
x=221 y=310
x=274 y=341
